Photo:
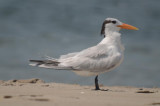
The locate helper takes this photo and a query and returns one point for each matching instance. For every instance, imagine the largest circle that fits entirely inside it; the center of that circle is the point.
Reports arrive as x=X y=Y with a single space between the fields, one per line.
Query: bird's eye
x=114 y=22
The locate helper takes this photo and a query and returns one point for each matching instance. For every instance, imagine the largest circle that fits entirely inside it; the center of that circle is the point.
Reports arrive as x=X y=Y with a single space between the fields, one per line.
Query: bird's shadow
x=101 y=90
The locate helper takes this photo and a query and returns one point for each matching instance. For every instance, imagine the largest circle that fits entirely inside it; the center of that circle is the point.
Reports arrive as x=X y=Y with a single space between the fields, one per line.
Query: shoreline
x=34 y=92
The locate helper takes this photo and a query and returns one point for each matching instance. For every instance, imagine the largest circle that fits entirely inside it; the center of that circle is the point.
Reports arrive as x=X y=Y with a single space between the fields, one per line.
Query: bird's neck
x=112 y=38
x=111 y=30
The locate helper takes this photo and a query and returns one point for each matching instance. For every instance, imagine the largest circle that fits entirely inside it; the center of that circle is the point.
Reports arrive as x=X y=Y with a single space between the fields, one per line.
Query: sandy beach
x=35 y=92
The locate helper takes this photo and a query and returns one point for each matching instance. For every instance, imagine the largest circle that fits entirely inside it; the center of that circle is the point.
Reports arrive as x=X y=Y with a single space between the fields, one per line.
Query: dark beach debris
x=40 y=99
x=145 y=91
x=21 y=82
x=35 y=95
x=34 y=80
x=7 y=96
x=104 y=89
x=30 y=96
x=158 y=103
x=45 y=85
x=35 y=98
x=141 y=89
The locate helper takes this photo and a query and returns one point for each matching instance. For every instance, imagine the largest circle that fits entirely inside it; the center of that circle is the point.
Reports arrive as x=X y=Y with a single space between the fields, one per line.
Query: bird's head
x=114 y=25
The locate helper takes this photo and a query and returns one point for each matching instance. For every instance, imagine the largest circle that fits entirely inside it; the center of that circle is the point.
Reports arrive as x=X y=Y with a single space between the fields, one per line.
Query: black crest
x=103 y=26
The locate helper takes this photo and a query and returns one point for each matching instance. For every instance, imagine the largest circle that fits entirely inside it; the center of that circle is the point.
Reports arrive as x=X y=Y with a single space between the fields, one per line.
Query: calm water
x=31 y=29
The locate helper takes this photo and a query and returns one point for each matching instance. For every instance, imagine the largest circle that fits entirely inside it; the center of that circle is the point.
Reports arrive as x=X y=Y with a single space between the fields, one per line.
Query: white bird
x=104 y=57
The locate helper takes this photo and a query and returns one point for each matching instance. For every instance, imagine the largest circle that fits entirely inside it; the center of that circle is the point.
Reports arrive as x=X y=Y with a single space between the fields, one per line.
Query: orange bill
x=126 y=26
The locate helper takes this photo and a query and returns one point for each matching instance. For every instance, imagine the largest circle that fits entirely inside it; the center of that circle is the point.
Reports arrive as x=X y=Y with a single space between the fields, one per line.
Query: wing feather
x=99 y=57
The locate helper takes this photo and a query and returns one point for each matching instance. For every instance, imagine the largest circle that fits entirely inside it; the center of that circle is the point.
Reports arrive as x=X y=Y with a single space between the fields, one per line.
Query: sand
x=34 y=92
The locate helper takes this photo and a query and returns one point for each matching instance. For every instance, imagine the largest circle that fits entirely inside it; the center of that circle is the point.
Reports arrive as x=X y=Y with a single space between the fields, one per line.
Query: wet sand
x=35 y=92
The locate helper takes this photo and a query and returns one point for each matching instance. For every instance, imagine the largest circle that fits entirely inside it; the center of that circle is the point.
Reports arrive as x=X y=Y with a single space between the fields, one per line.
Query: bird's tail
x=45 y=63
x=50 y=62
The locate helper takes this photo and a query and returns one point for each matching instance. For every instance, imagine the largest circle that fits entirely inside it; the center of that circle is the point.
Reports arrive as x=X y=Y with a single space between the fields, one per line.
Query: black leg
x=96 y=83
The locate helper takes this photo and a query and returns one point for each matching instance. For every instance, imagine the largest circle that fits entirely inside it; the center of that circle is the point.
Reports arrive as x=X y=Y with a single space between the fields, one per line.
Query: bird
x=95 y=60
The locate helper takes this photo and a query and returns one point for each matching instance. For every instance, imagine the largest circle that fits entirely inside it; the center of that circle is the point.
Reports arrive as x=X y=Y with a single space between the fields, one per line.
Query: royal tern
x=104 y=57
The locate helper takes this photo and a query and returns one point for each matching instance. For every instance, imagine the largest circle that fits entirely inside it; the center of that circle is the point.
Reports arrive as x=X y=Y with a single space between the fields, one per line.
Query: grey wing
x=95 y=58
x=89 y=52
x=94 y=52
x=68 y=55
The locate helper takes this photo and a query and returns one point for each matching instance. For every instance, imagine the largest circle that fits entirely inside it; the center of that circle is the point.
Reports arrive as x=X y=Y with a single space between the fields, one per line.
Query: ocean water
x=31 y=29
